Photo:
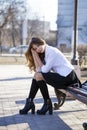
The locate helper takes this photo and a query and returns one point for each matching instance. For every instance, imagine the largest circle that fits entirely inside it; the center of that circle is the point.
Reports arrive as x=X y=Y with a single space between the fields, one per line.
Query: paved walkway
x=15 y=83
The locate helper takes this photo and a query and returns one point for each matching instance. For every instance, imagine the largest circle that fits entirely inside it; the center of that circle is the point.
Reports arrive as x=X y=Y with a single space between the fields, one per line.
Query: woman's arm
x=37 y=60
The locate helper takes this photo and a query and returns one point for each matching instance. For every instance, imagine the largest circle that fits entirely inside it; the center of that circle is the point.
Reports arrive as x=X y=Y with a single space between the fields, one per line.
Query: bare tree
x=11 y=17
x=15 y=13
x=3 y=21
x=35 y=28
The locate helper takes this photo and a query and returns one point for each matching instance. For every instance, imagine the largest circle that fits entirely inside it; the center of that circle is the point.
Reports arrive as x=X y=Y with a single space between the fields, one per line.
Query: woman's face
x=38 y=49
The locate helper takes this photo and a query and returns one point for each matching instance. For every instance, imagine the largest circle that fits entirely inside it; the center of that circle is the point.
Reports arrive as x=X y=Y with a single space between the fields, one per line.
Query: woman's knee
x=38 y=76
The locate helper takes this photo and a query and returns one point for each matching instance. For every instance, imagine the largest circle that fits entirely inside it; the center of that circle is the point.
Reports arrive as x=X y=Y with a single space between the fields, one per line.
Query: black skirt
x=58 y=81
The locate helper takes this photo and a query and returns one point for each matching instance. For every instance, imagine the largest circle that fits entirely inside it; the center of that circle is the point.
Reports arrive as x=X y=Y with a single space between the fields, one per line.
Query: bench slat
x=79 y=97
x=84 y=87
x=78 y=91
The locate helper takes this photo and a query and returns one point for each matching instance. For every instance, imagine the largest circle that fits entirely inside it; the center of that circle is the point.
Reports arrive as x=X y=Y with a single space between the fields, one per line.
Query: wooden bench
x=79 y=93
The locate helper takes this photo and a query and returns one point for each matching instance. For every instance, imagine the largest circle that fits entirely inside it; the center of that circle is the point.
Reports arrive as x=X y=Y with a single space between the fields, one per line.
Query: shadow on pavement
x=16 y=78
x=35 y=122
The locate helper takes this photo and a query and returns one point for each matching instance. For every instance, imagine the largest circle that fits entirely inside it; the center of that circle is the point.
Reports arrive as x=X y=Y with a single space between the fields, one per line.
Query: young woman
x=51 y=67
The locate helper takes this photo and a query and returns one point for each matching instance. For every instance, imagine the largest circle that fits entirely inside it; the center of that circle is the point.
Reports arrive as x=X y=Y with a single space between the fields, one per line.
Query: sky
x=45 y=9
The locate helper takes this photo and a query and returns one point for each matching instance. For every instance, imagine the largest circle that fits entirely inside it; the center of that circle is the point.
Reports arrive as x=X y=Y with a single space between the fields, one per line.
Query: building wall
x=66 y=20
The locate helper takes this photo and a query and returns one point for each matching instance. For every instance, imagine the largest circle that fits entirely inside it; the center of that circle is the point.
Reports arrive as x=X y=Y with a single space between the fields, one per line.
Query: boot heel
x=33 y=110
x=28 y=106
x=47 y=107
x=50 y=111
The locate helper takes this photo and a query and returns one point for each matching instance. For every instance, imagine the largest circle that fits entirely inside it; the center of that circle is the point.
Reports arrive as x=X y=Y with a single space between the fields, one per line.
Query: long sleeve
x=56 y=62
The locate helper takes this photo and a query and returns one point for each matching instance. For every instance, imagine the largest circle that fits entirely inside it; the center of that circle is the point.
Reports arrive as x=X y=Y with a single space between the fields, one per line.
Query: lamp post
x=74 y=60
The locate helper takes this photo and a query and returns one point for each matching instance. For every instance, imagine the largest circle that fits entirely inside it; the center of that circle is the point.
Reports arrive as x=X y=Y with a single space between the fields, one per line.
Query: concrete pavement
x=15 y=83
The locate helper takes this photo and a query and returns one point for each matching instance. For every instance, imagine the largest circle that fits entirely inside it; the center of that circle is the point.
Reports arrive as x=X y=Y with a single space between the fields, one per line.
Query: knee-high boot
x=29 y=105
x=47 y=106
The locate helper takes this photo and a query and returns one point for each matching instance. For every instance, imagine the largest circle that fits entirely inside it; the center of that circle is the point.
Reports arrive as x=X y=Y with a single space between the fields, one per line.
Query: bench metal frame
x=79 y=93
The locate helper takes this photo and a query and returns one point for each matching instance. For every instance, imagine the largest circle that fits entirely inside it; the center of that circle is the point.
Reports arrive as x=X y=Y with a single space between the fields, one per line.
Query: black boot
x=28 y=106
x=33 y=90
x=85 y=126
x=47 y=106
x=29 y=101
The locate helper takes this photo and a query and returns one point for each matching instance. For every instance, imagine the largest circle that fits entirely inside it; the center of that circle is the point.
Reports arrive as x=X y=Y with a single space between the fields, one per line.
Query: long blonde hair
x=30 y=61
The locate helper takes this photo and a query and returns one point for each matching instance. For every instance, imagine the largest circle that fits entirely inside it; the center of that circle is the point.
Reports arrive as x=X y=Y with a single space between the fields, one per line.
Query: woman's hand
x=32 y=50
x=37 y=60
x=35 y=53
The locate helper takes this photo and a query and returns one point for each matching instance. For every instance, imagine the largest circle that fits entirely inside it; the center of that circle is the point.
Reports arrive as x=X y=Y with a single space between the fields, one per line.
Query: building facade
x=65 y=22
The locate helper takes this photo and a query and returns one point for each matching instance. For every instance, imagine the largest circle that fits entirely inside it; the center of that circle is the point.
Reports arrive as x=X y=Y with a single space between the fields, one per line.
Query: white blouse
x=56 y=62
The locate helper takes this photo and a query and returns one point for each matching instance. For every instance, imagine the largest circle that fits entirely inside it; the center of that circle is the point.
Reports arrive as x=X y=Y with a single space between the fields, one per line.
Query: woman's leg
x=33 y=90
x=29 y=101
x=47 y=106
